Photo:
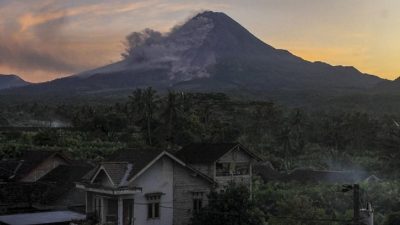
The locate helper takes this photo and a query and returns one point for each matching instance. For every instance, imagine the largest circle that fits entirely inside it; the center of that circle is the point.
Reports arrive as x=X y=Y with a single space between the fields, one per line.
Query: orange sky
x=45 y=39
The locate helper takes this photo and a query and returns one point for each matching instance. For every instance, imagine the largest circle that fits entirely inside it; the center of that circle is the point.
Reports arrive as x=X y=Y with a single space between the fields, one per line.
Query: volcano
x=211 y=52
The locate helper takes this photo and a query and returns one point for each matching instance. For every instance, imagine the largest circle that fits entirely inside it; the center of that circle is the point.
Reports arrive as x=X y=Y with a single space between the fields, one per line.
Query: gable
x=156 y=174
x=102 y=178
x=175 y=160
x=236 y=155
x=163 y=170
x=208 y=153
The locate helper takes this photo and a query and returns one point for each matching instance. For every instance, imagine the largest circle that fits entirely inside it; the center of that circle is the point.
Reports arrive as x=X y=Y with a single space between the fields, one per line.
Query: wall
x=185 y=183
x=157 y=178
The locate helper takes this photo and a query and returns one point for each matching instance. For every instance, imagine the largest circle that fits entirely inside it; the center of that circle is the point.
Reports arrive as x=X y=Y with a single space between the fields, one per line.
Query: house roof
x=66 y=174
x=208 y=152
x=8 y=168
x=118 y=171
x=126 y=164
x=139 y=158
x=29 y=160
x=61 y=180
x=46 y=190
x=42 y=218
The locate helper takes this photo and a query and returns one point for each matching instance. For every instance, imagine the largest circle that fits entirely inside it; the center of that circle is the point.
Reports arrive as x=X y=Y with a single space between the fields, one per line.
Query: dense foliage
x=289 y=138
x=233 y=206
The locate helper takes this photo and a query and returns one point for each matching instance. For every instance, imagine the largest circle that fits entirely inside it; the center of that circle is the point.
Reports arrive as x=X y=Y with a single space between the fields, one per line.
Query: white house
x=145 y=187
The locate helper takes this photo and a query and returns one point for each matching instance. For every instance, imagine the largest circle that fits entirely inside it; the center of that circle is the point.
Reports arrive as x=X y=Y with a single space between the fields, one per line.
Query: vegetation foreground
x=288 y=138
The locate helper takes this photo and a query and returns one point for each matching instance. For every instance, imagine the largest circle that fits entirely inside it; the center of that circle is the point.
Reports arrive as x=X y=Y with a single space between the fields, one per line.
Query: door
x=98 y=208
x=128 y=218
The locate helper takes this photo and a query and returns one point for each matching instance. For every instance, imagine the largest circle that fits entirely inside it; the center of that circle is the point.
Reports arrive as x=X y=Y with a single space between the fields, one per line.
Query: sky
x=42 y=40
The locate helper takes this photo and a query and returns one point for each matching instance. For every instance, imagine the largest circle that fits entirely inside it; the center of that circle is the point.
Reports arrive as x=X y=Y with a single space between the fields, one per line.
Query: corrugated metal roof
x=41 y=218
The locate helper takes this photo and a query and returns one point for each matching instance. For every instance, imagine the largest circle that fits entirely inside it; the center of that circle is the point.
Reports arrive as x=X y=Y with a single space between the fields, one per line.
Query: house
x=60 y=191
x=145 y=186
x=31 y=166
x=19 y=186
x=223 y=162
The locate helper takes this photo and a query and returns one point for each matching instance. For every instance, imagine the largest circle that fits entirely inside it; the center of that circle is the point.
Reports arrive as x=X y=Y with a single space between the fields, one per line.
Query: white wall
x=158 y=178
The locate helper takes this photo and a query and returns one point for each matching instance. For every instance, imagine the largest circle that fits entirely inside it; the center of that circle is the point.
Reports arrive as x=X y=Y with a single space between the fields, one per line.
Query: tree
x=144 y=103
x=392 y=219
x=170 y=114
x=232 y=206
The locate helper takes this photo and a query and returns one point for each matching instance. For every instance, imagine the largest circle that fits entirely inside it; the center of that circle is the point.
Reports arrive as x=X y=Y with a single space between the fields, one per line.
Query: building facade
x=153 y=187
x=149 y=187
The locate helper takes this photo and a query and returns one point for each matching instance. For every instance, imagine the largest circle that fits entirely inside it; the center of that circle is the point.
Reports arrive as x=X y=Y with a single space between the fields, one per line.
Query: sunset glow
x=46 y=39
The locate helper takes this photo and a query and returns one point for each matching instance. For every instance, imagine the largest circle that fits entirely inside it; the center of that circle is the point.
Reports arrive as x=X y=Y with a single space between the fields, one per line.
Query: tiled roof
x=62 y=179
x=116 y=170
x=8 y=168
x=139 y=158
x=29 y=160
x=125 y=164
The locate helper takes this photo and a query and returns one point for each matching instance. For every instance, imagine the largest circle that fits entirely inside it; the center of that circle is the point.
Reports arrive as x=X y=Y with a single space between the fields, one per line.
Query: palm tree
x=171 y=113
x=143 y=104
x=150 y=100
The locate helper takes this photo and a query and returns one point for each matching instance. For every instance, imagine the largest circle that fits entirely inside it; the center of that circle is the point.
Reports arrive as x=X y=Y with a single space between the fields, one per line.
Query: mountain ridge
x=11 y=81
x=211 y=52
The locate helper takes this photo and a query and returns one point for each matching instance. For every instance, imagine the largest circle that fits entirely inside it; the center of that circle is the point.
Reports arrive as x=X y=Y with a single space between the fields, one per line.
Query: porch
x=110 y=206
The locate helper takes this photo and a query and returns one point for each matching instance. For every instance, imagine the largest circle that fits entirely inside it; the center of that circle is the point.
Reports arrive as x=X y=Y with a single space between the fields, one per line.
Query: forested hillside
x=289 y=138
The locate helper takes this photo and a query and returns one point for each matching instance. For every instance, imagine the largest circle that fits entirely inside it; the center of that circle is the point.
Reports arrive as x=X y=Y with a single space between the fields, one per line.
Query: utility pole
x=356 y=204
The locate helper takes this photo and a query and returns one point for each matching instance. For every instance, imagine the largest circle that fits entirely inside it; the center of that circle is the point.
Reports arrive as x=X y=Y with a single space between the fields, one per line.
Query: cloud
x=29 y=20
x=53 y=37
x=23 y=55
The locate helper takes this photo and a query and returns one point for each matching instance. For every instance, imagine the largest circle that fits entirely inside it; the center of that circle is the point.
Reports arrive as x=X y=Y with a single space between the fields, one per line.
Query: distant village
x=139 y=186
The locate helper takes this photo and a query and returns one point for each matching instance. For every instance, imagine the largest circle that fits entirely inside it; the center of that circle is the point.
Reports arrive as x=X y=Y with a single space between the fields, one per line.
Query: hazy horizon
x=46 y=39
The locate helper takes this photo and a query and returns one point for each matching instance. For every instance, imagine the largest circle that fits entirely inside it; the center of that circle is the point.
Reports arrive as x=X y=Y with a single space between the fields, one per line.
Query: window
x=197 y=201
x=153 y=205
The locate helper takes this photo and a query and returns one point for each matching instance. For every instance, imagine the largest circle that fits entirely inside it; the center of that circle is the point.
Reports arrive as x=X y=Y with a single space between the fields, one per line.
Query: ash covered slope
x=210 y=52
x=10 y=81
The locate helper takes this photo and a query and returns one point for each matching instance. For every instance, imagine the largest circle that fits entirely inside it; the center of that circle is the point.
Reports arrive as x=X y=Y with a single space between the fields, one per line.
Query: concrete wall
x=45 y=167
x=185 y=183
x=158 y=178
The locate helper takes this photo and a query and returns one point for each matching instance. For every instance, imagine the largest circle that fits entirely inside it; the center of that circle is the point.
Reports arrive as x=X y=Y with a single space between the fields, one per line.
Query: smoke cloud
x=138 y=42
